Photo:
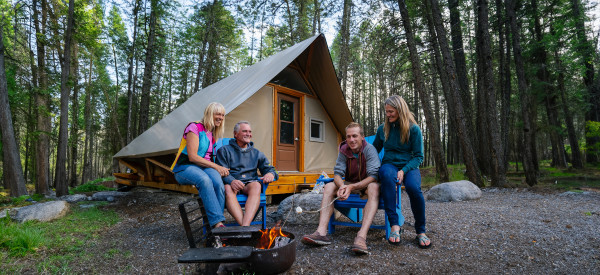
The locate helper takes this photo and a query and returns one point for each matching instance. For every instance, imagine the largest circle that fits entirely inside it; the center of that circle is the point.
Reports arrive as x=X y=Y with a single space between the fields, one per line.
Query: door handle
x=296 y=139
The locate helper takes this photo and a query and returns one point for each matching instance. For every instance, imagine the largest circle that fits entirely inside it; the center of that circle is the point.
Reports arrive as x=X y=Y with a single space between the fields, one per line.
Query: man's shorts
x=362 y=193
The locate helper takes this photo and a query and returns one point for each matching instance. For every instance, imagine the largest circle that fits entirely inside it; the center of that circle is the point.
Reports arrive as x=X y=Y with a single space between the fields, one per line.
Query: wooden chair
x=262 y=208
x=203 y=239
x=352 y=207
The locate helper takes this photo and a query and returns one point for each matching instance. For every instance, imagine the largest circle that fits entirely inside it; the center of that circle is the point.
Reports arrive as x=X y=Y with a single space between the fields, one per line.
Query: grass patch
x=429 y=177
x=52 y=246
x=91 y=186
x=18 y=241
x=562 y=174
x=9 y=202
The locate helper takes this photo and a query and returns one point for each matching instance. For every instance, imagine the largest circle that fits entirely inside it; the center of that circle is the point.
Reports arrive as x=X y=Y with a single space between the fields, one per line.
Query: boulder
x=108 y=195
x=43 y=212
x=11 y=212
x=454 y=191
x=74 y=198
x=307 y=201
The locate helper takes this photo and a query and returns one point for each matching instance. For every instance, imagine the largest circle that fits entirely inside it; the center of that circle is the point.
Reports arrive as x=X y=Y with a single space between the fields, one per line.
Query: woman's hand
x=222 y=171
x=400 y=177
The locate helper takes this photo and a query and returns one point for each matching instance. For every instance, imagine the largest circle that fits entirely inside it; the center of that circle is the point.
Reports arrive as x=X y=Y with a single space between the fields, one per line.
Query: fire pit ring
x=274 y=260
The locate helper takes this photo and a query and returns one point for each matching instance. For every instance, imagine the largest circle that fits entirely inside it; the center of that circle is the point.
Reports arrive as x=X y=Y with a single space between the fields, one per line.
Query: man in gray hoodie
x=243 y=161
x=358 y=162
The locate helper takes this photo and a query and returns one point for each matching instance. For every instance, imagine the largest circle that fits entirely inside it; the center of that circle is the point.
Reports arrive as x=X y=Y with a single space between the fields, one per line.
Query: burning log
x=269 y=238
x=281 y=241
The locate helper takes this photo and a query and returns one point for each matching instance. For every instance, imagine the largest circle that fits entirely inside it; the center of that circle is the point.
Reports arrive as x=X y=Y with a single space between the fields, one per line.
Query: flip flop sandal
x=421 y=239
x=395 y=234
x=360 y=246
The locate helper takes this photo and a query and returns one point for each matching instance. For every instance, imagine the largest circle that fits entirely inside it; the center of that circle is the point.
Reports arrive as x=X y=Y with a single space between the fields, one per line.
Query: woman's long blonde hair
x=209 y=122
x=405 y=117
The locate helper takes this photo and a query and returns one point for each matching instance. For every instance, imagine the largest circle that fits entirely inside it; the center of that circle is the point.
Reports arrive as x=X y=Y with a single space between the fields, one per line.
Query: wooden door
x=288 y=133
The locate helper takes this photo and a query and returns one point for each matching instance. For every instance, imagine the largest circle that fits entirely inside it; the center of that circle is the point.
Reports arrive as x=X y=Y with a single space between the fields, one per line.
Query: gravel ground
x=506 y=231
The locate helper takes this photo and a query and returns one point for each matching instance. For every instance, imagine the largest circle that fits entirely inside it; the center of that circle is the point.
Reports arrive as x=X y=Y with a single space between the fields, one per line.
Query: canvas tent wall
x=245 y=94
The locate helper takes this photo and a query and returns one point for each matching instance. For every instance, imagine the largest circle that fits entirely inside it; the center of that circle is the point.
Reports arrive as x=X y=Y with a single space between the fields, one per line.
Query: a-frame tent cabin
x=293 y=101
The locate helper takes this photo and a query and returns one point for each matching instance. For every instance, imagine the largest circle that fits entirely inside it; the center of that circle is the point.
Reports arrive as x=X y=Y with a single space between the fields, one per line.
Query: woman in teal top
x=402 y=140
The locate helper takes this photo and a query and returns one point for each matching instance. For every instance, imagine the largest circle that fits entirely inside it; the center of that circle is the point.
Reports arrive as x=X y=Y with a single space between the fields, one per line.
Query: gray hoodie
x=243 y=163
x=356 y=168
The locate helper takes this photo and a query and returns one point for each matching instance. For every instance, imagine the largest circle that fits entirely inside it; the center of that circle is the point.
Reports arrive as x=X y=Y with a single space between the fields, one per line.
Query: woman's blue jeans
x=210 y=189
x=388 y=174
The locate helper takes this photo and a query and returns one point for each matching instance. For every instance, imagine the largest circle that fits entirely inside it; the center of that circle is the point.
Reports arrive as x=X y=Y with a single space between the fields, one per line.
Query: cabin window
x=317 y=131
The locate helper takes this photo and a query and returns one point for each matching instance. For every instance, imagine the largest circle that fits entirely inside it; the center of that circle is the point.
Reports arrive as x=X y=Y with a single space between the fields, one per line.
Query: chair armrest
x=264 y=185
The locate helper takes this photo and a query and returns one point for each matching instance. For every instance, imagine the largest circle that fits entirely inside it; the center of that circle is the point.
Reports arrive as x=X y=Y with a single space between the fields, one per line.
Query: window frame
x=322 y=130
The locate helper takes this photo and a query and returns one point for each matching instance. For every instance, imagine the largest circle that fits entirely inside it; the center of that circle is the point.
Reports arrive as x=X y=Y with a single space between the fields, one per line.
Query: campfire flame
x=267 y=239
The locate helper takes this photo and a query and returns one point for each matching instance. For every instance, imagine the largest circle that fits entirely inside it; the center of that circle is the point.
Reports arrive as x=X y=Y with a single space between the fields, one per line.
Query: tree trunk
x=439 y=69
x=208 y=30
x=458 y=51
x=148 y=70
x=345 y=45
x=290 y=22
x=586 y=52
x=11 y=161
x=492 y=133
x=467 y=147
x=302 y=30
x=130 y=84
x=576 y=158
x=60 y=178
x=29 y=157
x=432 y=123
x=504 y=79
x=550 y=98
x=530 y=165
x=74 y=139
x=316 y=26
x=86 y=171
x=200 y=63
x=42 y=102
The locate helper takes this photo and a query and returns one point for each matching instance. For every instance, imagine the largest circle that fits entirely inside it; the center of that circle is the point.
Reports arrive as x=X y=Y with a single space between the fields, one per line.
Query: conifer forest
x=494 y=85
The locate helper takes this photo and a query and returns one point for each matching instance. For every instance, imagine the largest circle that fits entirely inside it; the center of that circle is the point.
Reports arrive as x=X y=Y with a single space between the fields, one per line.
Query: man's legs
x=329 y=193
x=233 y=206
x=320 y=236
x=252 y=190
x=370 y=209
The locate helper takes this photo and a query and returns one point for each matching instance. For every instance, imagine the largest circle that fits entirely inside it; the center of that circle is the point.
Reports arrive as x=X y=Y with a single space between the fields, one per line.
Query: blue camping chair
x=243 y=198
x=353 y=207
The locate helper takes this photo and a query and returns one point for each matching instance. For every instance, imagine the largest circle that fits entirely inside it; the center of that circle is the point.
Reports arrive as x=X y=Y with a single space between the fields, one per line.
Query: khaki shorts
x=362 y=193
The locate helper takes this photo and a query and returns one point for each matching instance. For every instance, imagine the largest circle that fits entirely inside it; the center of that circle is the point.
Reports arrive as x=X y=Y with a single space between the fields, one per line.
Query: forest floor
x=515 y=230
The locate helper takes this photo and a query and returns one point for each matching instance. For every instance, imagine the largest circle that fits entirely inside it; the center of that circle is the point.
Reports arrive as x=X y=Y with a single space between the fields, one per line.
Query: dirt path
x=506 y=231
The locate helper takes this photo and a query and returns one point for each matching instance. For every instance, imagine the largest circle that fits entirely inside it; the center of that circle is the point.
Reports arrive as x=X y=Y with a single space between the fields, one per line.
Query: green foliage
x=6 y=201
x=430 y=179
x=20 y=240
x=562 y=174
x=88 y=187
x=92 y=186
x=63 y=240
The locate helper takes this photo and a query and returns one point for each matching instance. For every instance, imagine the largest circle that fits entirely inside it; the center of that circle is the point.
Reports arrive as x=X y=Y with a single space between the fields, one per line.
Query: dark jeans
x=388 y=175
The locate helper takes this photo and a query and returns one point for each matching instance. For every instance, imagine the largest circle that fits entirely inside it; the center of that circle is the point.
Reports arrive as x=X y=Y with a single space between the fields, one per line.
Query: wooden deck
x=155 y=174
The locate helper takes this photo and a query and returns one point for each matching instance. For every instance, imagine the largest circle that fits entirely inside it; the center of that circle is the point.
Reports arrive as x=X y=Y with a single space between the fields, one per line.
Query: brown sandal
x=360 y=246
